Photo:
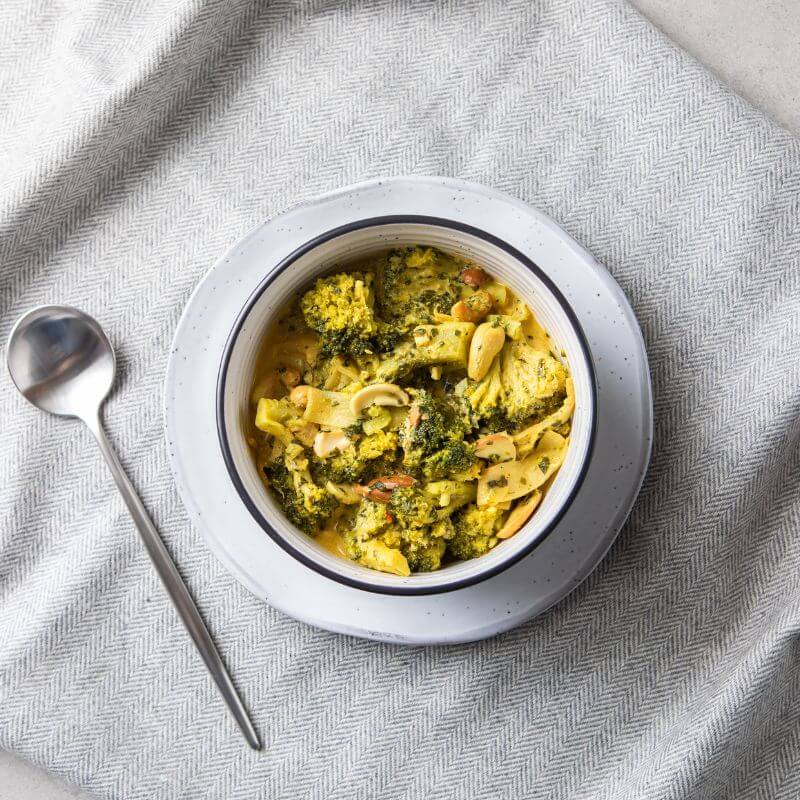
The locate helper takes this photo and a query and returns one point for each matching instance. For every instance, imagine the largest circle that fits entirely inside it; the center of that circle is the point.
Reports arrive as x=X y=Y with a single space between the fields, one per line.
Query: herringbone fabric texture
x=140 y=139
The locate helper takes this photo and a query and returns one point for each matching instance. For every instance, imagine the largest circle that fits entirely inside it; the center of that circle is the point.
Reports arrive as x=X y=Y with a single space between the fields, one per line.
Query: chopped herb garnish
x=544 y=464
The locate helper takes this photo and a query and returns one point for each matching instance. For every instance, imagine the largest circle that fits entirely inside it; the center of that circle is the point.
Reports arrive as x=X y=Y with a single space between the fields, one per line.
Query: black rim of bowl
x=334 y=233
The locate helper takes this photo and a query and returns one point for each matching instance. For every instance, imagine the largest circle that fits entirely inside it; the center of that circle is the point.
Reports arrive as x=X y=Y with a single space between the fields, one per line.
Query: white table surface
x=751 y=45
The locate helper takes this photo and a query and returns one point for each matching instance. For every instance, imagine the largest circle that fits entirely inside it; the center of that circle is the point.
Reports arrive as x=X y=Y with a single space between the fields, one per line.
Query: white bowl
x=359 y=239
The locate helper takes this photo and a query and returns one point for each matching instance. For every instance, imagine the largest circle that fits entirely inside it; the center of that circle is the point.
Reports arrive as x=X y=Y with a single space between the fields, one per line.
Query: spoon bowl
x=61 y=361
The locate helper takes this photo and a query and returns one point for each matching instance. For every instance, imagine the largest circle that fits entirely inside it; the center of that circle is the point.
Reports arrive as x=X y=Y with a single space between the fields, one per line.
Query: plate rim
x=591 y=558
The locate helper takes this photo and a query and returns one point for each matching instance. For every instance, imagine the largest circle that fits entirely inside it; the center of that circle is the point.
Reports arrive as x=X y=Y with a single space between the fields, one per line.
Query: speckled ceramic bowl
x=359 y=239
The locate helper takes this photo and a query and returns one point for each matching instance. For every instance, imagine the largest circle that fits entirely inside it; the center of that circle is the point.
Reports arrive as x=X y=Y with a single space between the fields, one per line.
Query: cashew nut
x=299 y=396
x=327 y=442
x=462 y=312
x=496 y=447
x=380 y=394
x=474 y=308
x=486 y=344
x=473 y=276
x=519 y=516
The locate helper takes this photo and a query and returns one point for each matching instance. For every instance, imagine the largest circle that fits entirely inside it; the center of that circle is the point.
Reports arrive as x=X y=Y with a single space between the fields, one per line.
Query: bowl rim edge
x=266 y=282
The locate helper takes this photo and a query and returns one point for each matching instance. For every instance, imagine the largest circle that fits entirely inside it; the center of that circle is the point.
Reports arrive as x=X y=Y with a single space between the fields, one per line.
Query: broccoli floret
x=306 y=504
x=423 y=546
x=387 y=337
x=424 y=553
x=495 y=420
x=475 y=530
x=414 y=283
x=535 y=382
x=398 y=364
x=343 y=468
x=447 y=496
x=415 y=507
x=375 y=542
x=485 y=396
x=445 y=344
x=410 y=508
x=372 y=455
x=443 y=529
x=366 y=543
x=340 y=308
x=453 y=458
x=370 y=520
x=435 y=425
x=273 y=416
x=415 y=525
x=522 y=383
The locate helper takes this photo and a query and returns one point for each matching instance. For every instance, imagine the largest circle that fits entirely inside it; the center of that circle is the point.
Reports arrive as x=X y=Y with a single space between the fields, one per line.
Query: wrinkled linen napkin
x=140 y=139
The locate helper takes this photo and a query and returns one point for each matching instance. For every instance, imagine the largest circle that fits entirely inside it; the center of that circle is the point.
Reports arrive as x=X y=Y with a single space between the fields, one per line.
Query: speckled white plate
x=556 y=566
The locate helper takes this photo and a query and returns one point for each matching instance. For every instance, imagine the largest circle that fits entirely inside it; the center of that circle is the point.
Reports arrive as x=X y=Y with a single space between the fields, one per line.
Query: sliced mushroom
x=379 y=394
x=328 y=442
x=299 y=396
x=486 y=344
x=496 y=447
x=519 y=516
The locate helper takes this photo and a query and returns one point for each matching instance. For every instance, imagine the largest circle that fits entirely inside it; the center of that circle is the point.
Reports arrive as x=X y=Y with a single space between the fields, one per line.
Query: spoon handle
x=174 y=585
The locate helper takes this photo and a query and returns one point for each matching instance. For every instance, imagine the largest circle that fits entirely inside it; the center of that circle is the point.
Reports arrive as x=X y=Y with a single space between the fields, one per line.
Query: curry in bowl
x=409 y=411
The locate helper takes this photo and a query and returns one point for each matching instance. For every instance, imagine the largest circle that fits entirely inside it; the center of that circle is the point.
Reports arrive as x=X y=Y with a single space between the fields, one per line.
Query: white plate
x=552 y=570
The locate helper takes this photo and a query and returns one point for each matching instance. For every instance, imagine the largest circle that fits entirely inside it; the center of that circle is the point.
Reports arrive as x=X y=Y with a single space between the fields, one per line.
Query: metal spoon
x=62 y=362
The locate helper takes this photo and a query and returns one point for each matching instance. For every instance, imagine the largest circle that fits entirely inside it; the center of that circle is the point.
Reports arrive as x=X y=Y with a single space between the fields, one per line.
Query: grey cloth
x=140 y=139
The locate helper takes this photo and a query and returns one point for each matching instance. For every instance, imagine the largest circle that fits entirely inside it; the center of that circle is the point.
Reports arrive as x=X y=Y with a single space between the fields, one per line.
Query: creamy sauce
x=332 y=542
